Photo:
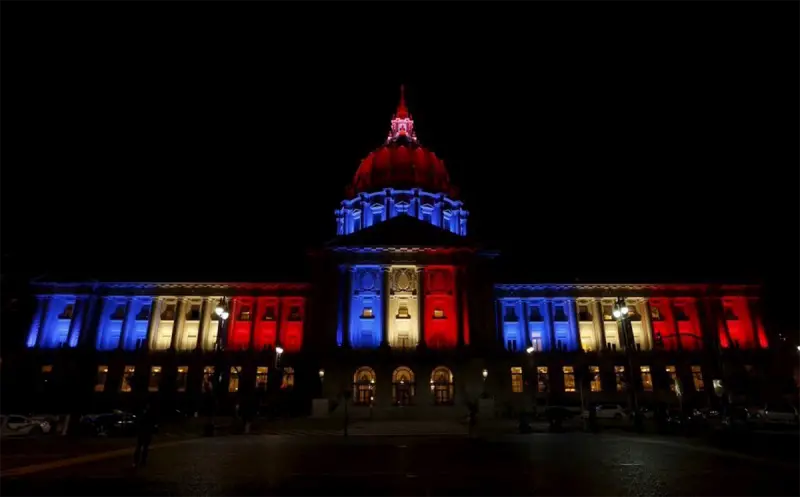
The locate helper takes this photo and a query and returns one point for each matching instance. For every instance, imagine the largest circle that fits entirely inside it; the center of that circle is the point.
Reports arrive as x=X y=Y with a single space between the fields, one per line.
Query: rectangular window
x=542 y=378
x=67 y=314
x=402 y=311
x=155 y=378
x=673 y=377
x=569 y=378
x=102 y=375
x=144 y=313
x=438 y=314
x=697 y=377
x=516 y=380
x=511 y=345
x=194 y=313
x=608 y=312
x=583 y=313
x=119 y=313
x=594 y=374
x=647 y=378
x=182 y=378
x=208 y=378
x=294 y=313
x=288 y=379
x=261 y=378
x=127 y=379
x=269 y=314
x=619 y=372
x=233 y=382
x=367 y=313
x=169 y=313
x=244 y=315
x=536 y=343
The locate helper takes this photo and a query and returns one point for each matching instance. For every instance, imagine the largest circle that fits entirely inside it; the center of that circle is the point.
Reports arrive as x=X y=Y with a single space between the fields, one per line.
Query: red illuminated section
x=441 y=318
x=736 y=326
x=293 y=314
x=664 y=323
x=265 y=319
x=688 y=323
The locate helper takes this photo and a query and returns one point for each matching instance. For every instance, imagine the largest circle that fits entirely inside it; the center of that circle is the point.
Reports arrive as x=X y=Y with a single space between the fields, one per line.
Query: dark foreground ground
x=535 y=464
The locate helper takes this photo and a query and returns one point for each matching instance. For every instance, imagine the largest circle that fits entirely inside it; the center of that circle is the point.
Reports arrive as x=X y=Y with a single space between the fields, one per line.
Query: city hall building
x=403 y=317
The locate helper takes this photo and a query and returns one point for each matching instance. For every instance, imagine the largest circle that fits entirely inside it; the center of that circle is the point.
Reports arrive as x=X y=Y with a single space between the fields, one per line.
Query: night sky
x=621 y=142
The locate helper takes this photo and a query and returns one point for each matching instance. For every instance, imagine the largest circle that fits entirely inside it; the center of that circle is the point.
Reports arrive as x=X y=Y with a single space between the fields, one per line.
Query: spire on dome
x=402 y=124
x=402 y=110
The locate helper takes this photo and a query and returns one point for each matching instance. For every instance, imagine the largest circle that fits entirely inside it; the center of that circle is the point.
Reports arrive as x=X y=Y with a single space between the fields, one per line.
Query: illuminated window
x=288 y=379
x=208 y=378
x=127 y=379
x=363 y=386
x=619 y=372
x=269 y=314
x=47 y=369
x=402 y=311
x=655 y=314
x=67 y=313
x=155 y=378
x=102 y=375
x=442 y=386
x=403 y=386
x=516 y=380
x=244 y=314
x=594 y=374
x=536 y=343
x=182 y=378
x=697 y=377
x=673 y=377
x=608 y=312
x=647 y=378
x=233 y=382
x=569 y=379
x=367 y=313
x=543 y=380
x=119 y=313
x=261 y=378
x=438 y=314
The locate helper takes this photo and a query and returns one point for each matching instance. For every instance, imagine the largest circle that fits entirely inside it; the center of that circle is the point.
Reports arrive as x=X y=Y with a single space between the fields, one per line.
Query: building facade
x=402 y=317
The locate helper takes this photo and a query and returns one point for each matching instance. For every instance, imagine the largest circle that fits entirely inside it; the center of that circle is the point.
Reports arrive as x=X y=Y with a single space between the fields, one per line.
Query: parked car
x=15 y=425
x=776 y=413
x=607 y=411
x=116 y=423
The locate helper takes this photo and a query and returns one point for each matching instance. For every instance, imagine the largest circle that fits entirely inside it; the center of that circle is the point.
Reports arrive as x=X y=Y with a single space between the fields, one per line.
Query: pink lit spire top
x=402 y=123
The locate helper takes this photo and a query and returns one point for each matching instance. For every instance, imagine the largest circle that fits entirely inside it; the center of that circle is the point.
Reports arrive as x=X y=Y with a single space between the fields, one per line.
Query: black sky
x=136 y=136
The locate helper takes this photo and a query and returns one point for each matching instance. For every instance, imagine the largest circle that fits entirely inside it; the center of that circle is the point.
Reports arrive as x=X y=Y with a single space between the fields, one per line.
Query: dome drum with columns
x=401 y=178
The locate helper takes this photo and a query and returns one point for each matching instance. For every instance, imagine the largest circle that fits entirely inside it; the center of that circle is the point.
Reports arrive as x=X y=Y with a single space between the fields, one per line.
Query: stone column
x=575 y=339
x=647 y=324
x=524 y=317
x=597 y=319
x=152 y=324
x=44 y=315
x=77 y=320
x=177 y=325
x=459 y=305
x=385 y=306
x=88 y=327
x=347 y=275
x=126 y=323
x=279 y=324
x=421 y=307
x=549 y=328
x=202 y=326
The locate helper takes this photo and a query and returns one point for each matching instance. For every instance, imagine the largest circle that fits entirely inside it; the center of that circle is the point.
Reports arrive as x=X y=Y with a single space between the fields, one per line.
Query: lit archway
x=364 y=385
x=442 y=385
x=403 y=386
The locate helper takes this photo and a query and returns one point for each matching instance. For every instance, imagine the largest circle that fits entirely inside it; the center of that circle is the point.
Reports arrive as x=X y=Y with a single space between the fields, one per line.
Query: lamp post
x=622 y=315
x=221 y=311
x=530 y=350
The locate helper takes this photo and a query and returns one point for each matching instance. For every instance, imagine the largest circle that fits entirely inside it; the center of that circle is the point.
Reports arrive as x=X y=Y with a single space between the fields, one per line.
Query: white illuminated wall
x=403 y=307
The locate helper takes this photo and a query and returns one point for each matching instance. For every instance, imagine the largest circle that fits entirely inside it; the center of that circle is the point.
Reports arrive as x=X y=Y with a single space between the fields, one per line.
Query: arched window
x=442 y=385
x=364 y=386
x=402 y=386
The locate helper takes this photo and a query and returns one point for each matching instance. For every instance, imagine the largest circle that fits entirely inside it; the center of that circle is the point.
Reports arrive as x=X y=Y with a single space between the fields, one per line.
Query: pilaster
x=124 y=331
x=599 y=326
x=574 y=330
x=155 y=319
x=202 y=326
x=386 y=289
x=44 y=312
x=421 y=306
x=77 y=320
x=647 y=324
x=177 y=326
x=549 y=329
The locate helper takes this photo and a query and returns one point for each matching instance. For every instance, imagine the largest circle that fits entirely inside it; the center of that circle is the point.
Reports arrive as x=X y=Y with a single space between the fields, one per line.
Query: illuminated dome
x=401 y=178
x=402 y=162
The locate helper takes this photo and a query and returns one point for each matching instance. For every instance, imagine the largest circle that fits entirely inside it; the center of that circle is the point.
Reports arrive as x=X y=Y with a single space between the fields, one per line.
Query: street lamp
x=321 y=375
x=221 y=310
x=622 y=314
x=530 y=350
x=485 y=374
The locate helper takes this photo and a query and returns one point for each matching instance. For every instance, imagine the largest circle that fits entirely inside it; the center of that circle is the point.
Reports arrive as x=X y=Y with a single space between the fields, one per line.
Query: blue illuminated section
x=125 y=320
x=366 y=309
x=52 y=330
x=544 y=323
x=369 y=209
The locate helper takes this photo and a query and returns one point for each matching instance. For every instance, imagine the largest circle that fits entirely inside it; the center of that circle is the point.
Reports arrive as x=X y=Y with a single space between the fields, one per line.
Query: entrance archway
x=442 y=385
x=364 y=386
x=403 y=386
